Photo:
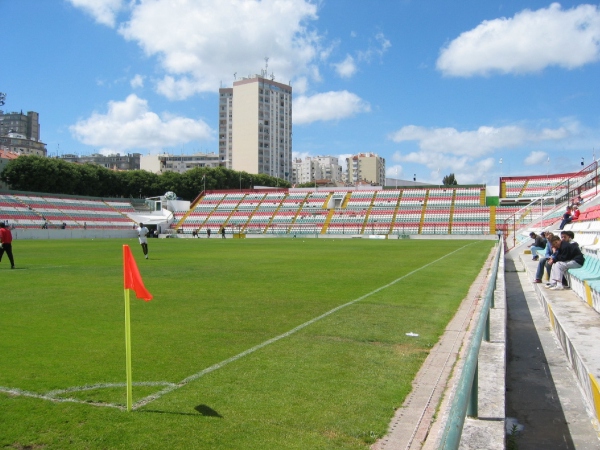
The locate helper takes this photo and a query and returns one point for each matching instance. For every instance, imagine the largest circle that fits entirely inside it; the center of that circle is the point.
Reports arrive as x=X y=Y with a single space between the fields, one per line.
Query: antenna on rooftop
x=266 y=65
x=2 y=98
x=235 y=75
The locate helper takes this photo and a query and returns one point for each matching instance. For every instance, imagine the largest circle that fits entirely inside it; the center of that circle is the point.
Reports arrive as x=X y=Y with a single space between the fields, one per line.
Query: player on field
x=6 y=244
x=143 y=236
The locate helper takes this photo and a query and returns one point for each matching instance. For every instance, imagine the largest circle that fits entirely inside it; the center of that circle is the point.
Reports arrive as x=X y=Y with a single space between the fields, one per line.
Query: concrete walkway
x=545 y=405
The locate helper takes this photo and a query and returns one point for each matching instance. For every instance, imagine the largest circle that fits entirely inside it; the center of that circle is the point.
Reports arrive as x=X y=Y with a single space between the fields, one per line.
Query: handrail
x=559 y=193
x=465 y=400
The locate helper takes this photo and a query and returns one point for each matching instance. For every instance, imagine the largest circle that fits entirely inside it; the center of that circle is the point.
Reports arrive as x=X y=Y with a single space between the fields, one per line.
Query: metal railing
x=465 y=402
x=537 y=209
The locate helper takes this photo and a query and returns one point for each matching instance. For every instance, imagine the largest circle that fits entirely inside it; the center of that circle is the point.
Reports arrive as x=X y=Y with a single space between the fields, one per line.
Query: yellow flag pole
x=128 y=350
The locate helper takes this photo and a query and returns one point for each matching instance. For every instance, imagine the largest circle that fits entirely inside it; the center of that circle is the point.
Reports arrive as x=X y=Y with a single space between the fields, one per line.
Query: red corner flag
x=131 y=276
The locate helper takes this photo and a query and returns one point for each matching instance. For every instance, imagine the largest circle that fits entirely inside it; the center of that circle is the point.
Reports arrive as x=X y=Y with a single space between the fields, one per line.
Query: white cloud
x=202 y=42
x=467 y=153
x=535 y=158
x=394 y=171
x=137 y=81
x=382 y=45
x=103 y=11
x=301 y=155
x=131 y=125
x=466 y=170
x=346 y=68
x=300 y=86
x=528 y=42
x=475 y=172
x=328 y=106
x=476 y=143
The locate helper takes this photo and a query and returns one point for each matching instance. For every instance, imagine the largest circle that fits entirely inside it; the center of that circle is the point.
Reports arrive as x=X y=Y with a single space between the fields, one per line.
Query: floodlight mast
x=2 y=98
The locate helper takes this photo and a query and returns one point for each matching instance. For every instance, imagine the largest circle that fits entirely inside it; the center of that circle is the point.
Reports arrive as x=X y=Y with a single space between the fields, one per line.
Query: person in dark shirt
x=539 y=244
x=568 y=256
x=566 y=218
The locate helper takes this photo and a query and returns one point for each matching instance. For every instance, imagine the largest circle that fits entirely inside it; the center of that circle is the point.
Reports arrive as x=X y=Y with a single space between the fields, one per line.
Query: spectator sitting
x=575 y=215
x=569 y=236
x=568 y=256
x=547 y=254
x=566 y=218
x=539 y=244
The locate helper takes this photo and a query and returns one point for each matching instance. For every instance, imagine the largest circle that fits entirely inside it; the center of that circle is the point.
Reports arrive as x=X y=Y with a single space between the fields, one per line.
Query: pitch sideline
x=170 y=387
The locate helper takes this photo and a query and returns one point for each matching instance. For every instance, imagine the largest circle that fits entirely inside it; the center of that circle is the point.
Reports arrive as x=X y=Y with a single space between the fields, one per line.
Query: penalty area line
x=185 y=381
x=52 y=395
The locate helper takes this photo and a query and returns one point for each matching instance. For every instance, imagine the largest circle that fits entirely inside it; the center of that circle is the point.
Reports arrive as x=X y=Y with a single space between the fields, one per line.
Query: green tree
x=50 y=175
x=449 y=180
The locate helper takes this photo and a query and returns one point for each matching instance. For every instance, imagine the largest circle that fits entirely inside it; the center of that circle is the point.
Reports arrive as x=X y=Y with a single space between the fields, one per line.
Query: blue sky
x=434 y=87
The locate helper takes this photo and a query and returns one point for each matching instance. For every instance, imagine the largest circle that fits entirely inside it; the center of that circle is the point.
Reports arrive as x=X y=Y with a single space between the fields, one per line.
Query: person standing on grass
x=6 y=244
x=143 y=236
x=223 y=232
x=208 y=232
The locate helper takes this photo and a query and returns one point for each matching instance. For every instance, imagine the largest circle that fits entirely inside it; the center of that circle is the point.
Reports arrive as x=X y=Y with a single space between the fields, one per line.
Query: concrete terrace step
x=577 y=328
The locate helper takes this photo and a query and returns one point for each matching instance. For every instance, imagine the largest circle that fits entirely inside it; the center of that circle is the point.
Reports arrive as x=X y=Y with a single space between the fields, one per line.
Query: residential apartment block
x=131 y=161
x=178 y=163
x=311 y=169
x=365 y=167
x=255 y=127
x=20 y=133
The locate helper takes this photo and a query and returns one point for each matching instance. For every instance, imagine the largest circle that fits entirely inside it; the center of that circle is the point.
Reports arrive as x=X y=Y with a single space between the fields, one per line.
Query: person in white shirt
x=143 y=236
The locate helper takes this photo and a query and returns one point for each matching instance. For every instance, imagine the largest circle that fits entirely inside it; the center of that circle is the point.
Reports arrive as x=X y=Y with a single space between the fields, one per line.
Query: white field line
x=212 y=368
x=170 y=387
x=52 y=395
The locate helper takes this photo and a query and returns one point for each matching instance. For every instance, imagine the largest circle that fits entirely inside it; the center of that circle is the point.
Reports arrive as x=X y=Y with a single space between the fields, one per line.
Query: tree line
x=55 y=176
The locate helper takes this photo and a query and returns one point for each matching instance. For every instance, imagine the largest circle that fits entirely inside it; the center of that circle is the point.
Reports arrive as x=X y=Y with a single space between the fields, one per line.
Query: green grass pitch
x=241 y=348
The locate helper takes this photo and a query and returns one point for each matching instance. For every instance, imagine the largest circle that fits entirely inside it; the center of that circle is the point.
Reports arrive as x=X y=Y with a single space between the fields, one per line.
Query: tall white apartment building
x=310 y=169
x=366 y=167
x=255 y=127
x=330 y=167
x=305 y=170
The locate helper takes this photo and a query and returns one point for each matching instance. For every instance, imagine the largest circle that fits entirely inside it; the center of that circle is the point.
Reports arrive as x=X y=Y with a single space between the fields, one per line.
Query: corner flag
x=131 y=280
x=131 y=276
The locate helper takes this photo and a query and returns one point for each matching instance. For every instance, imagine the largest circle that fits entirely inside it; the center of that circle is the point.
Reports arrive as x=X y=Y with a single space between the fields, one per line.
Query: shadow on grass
x=204 y=410
x=207 y=411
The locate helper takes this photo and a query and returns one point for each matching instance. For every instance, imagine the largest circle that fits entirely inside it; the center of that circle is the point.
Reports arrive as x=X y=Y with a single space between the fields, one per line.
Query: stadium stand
x=53 y=211
x=574 y=315
x=427 y=210
x=340 y=212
